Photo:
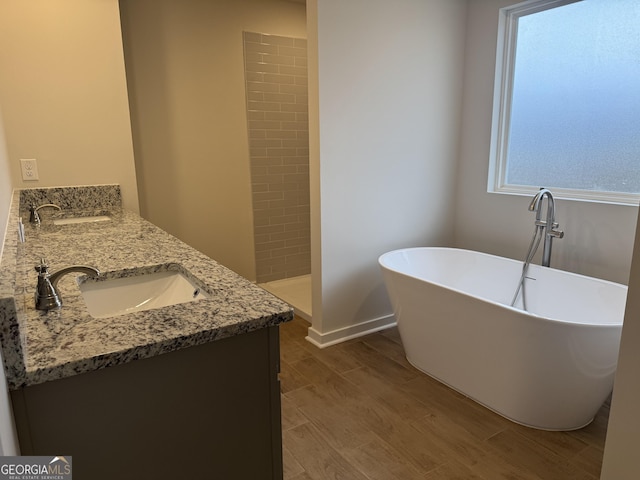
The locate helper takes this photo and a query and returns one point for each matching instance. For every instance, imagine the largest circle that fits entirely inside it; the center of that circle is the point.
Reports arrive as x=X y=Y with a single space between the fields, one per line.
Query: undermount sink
x=109 y=297
x=73 y=220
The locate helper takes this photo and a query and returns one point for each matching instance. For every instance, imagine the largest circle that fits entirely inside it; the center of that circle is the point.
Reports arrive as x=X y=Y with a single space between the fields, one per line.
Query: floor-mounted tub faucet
x=47 y=296
x=549 y=225
x=34 y=216
x=543 y=228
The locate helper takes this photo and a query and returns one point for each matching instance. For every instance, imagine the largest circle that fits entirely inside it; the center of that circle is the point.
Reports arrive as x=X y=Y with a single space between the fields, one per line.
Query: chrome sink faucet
x=34 y=216
x=47 y=296
x=549 y=224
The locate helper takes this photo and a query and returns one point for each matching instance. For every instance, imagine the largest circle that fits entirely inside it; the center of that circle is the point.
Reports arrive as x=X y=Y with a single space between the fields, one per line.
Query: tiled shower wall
x=278 y=127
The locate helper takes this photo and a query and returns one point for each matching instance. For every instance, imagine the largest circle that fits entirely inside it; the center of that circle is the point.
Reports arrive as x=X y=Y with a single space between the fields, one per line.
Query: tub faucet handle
x=556 y=233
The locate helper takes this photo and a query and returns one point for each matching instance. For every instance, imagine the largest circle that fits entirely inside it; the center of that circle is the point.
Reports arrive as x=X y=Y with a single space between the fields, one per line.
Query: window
x=567 y=100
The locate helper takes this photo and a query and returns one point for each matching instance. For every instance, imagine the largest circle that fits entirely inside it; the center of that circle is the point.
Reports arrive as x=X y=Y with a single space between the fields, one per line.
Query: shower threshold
x=296 y=291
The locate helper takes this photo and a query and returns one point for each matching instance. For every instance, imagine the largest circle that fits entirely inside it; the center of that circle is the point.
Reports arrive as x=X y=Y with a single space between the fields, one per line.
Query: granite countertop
x=43 y=346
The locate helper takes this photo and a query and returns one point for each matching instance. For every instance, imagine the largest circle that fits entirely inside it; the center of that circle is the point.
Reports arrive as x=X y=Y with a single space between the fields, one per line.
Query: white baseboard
x=323 y=340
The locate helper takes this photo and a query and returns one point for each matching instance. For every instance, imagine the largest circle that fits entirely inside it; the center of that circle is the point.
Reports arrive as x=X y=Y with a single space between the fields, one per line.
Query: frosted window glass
x=575 y=109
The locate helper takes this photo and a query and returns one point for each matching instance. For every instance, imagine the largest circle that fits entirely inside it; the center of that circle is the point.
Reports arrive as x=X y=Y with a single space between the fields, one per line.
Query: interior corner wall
x=6 y=187
x=388 y=113
x=598 y=238
x=63 y=93
x=185 y=70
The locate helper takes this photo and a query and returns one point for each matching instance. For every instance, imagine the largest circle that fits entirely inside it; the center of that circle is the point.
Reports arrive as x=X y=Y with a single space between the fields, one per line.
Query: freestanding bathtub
x=551 y=367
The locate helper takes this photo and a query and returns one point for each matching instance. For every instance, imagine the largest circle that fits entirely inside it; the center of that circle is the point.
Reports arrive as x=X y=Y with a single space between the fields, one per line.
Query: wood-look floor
x=359 y=411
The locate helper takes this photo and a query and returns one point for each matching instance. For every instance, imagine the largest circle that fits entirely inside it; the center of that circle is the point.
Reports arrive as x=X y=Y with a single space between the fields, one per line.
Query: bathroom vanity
x=187 y=390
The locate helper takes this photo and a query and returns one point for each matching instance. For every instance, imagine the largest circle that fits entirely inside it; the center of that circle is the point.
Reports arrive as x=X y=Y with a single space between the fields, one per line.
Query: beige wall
x=598 y=237
x=186 y=82
x=384 y=129
x=63 y=93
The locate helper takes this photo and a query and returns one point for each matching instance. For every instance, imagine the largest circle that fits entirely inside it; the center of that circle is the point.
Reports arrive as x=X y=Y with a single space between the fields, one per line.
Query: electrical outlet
x=29 y=168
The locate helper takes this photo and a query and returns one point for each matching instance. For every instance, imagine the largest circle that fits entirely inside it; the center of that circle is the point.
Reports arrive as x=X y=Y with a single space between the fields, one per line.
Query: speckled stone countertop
x=43 y=346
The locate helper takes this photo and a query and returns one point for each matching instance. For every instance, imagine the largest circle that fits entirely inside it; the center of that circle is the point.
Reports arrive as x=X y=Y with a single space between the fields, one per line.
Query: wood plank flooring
x=360 y=411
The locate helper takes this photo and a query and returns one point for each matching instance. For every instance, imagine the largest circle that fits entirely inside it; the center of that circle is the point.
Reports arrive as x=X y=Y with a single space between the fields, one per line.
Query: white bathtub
x=550 y=368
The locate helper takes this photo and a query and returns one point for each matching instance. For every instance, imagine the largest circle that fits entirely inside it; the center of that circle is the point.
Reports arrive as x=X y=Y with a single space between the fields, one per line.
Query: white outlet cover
x=29 y=167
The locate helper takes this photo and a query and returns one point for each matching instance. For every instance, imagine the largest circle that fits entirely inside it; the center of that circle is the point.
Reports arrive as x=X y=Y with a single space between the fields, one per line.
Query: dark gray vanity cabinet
x=209 y=411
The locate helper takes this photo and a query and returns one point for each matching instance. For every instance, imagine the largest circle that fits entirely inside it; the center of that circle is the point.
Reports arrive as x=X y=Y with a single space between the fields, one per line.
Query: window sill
x=613 y=198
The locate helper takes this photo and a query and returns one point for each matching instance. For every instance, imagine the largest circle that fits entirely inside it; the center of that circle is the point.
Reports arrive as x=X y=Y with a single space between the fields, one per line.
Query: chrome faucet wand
x=47 y=296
